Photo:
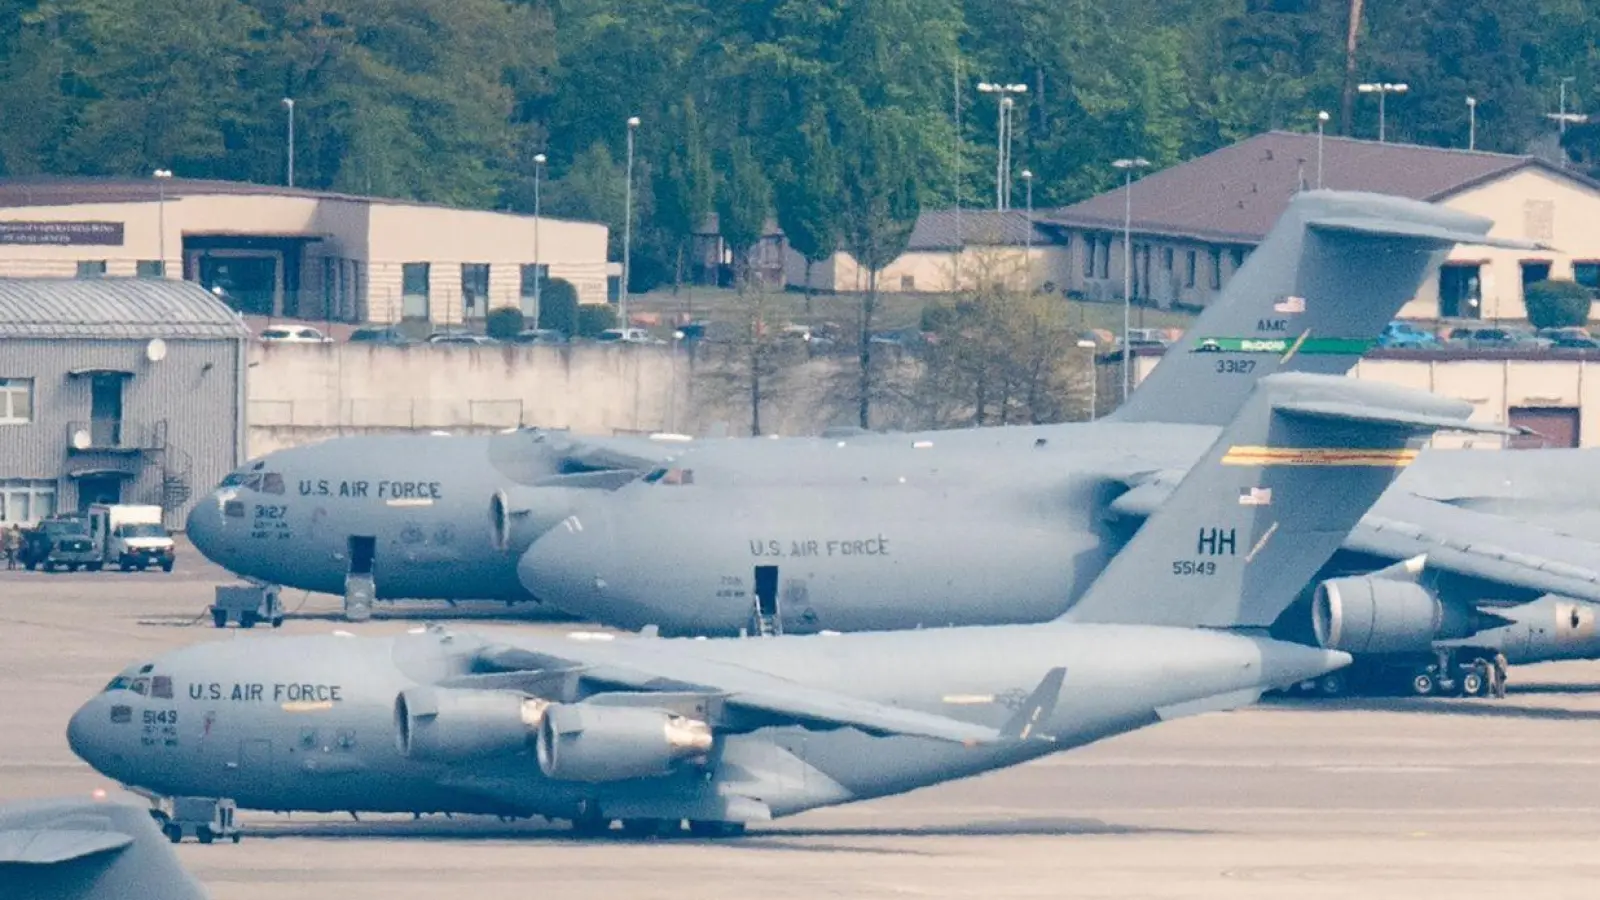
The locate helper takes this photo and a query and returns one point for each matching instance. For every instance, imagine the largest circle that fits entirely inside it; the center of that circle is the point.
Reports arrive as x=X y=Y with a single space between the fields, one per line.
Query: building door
x=1460 y=294
x=1553 y=426
x=98 y=489
x=105 y=410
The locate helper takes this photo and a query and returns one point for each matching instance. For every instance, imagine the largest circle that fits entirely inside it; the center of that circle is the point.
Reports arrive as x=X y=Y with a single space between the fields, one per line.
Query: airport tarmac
x=1376 y=799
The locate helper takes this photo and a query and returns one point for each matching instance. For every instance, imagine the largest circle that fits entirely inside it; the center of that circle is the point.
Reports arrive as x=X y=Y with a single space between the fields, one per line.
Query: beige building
x=1194 y=224
x=1549 y=393
x=949 y=249
x=293 y=253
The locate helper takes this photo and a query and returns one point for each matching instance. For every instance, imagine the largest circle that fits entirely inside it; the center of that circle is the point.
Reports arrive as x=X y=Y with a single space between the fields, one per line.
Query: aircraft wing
x=744 y=699
x=1464 y=542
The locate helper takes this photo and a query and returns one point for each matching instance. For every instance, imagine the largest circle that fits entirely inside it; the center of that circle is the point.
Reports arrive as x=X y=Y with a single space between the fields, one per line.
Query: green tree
x=594 y=318
x=686 y=186
x=808 y=196
x=558 y=306
x=880 y=203
x=743 y=203
x=1558 y=304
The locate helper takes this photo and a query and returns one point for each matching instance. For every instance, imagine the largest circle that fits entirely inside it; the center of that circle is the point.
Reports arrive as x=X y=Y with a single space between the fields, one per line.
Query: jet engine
x=594 y=743
x=455 y=725
x=1370 y=614
x=518 y=515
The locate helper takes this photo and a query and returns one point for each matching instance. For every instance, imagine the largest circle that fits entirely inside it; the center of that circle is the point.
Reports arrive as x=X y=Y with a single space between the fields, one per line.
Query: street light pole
x=288 y=103
x=1094 y=378
x=1472 y=123
x=1382 y=89
x=1027 y=251
x=1322 y=121
x=538 y=170
x=1127 y=166
x=627 y=229
x=1002 y=168
x=161 y=176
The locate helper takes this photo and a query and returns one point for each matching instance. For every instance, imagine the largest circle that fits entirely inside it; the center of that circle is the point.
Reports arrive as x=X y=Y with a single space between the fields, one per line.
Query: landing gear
x=1423 y=684
x=1333 y=684
x=716 y=829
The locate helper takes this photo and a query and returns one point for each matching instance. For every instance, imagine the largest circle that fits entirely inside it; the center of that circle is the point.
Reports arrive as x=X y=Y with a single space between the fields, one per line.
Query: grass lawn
x=895 y=310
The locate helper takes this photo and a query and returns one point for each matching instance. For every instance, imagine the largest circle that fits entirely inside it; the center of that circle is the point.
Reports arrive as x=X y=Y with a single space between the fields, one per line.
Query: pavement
x=1394 y=798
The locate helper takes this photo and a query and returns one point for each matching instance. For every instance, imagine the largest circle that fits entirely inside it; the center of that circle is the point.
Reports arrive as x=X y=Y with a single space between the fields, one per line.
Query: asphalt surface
x=1377 y=799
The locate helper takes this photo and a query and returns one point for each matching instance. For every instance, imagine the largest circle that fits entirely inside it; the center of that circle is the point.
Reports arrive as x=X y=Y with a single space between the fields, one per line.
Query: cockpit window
x=670 y=476
x=265 y=482
x=140 y=686
x=234 y=479
x=119 y=683
x=271 y=483
x=161 y=687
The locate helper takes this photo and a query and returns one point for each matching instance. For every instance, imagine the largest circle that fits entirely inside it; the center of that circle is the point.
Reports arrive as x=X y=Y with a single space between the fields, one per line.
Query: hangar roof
x=1236 y=193
x=114 y=309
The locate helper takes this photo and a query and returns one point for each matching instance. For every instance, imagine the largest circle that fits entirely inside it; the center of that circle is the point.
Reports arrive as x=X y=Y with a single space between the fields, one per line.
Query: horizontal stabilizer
x=1218 y=703
x=1351 y=412
x=49 y=846
x=1421 y=231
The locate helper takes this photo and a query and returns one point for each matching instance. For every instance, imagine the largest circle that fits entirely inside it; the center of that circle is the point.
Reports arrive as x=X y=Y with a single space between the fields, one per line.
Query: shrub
x=594 y=318
x=503 y=323
x=1558 y=304
x=558 y=306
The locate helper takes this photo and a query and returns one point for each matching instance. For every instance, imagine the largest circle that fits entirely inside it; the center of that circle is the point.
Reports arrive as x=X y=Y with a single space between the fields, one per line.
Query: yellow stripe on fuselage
x=1316 y=456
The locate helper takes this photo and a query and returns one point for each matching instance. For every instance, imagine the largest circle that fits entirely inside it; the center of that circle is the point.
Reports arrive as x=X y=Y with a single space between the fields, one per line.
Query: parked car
x=626 y=336
x=392 y=336
x=1497 y=339
x=294 y=334
x=59 y=541
x=540 y=336
x=1408 y=336
x=1571 y=338
x=460 y=337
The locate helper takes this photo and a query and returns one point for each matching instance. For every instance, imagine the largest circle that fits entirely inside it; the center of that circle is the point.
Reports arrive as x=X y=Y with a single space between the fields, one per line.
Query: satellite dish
x=81 y=439
x=156 y=350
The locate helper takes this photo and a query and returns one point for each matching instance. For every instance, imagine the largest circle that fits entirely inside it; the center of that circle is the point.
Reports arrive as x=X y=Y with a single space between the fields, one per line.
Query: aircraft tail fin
x=1313 y=297
x=1270 y=502
x=83 y=850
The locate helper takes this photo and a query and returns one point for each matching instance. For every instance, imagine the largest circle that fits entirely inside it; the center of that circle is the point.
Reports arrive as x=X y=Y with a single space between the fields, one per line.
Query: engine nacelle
x=518 y=515
x=595 y=743
x=1362 y=614
x=455 y=725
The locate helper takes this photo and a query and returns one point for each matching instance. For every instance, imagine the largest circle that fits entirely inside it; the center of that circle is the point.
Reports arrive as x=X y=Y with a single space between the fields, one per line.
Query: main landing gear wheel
x=173 y=833
x=589 y=824
x=1422 y=684
x=1332 y=684
x=1475 y=683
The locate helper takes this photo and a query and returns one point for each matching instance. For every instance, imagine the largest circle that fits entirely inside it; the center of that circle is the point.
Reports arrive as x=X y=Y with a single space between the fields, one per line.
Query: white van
x=130 y=536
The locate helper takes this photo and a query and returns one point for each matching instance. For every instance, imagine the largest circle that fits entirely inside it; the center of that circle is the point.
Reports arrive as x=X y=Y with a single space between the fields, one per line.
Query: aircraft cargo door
x=765 y=617
x=360 y=587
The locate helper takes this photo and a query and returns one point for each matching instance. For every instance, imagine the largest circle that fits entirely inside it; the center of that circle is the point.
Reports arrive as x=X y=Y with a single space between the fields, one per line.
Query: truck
x=130 y=537
x=60 y=541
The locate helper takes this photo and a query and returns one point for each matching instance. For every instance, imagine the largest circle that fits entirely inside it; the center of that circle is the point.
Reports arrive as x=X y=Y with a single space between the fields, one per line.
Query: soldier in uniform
x=11 y=544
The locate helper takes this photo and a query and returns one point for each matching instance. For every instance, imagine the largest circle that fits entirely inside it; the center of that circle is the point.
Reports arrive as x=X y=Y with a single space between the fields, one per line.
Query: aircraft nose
x=83 y=732
x=204 y=526
x=565 y=566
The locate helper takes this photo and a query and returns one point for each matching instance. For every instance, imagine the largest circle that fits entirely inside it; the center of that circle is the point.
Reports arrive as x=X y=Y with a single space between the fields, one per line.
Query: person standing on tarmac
x=11 y=544
x=1499 y=681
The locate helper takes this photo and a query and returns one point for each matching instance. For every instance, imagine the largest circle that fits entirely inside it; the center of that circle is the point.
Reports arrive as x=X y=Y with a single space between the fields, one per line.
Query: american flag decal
x=1290 y=305
x=1255 y=496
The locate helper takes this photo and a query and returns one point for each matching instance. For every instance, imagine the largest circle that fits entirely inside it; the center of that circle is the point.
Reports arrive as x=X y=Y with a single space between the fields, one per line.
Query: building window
x=1588 y=275
x=16 y=401
x=530 y=274
x=1166 y=259
x=91 y=268
x=1105 y=257
x=1089 y=241
x=414 y=291
x=24 y=502
x=908 y=282
x=474 y=290
x=1534 y=271
x=1216 y=268
x=330 y=282
x=1460 y=295
x=1189 y=267
x=1238 y=257
x=150 y=268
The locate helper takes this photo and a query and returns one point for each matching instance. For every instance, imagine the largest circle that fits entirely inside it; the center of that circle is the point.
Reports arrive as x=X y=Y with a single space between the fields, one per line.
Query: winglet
x=1043 y=699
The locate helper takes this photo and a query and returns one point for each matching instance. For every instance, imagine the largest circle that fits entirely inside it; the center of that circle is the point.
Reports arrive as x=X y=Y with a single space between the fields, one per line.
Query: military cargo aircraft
x=654 y=732
x=87 y=849
x=974 y=526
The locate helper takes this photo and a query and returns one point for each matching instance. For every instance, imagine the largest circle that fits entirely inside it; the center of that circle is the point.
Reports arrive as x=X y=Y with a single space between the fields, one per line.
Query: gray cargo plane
x=655 y=731
x=805 y=535
x=71 y=849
